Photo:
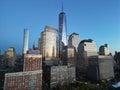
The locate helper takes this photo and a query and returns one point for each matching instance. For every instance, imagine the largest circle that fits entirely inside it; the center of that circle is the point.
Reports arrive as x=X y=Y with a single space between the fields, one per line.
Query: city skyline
x=98 y=20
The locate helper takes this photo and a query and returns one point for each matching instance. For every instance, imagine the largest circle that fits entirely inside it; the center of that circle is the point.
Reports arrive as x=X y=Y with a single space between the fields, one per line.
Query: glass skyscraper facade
x=62 y=31
x=26 y=39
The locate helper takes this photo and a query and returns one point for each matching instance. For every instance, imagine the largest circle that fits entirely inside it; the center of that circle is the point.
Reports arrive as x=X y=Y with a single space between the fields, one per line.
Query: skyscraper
x=25 y=43
x=74 y=40
x=49 y=42
x=62 y=30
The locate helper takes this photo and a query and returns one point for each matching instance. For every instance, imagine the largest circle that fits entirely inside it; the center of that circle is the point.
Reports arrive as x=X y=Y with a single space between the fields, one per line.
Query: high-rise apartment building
x=74 y=40
x=49 y=43
x=104 y=50
x=62 y=31
x=26 y=40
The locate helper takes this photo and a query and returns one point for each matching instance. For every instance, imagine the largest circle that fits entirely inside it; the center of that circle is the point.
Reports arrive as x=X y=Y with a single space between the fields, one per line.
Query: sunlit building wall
x=49 y=42
x=88 y=46
x=74 y=40
x=104 y=50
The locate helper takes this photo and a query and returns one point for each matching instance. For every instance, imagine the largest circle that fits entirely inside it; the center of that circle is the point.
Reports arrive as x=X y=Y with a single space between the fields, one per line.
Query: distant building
x=11 y=55
x=104 y=50
x=117 y=58
x=26 y=41
x=88 y=46
x=48 y=43
x=74 y=40
x=100 y=68
x=30 y=80
x=56 y=75
x=32 y=62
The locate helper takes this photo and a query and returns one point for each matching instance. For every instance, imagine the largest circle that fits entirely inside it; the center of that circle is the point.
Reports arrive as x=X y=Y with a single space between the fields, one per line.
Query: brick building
x=30 y=80
x=32 y=62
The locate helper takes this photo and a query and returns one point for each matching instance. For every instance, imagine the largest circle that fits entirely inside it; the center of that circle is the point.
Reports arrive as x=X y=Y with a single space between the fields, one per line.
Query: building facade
x=25 y=41
x=11 y=56
x=59 y=75
x=32 y=62
x=104 y=50
x=88 y=46
x=100 y=68
x=49 y=42
x=74 y=40
x=30 y=80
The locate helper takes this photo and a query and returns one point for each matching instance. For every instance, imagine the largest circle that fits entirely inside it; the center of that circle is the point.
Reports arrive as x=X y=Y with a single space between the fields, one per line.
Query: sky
x=95 y=19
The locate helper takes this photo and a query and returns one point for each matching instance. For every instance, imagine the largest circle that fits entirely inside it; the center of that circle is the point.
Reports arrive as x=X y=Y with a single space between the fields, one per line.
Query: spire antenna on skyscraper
x=62 y=6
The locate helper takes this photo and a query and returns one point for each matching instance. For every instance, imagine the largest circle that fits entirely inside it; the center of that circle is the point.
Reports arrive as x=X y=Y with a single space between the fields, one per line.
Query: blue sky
x=95 y=19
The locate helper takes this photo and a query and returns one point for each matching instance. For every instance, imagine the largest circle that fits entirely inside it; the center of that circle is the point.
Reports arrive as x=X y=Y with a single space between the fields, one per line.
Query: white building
x=74 y=40
x=48 y=44
x=104 y=50
x=25 y=43
x=88 y=46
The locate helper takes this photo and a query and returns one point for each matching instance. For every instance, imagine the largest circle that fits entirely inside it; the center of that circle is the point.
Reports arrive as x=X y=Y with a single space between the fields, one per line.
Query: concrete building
x=49 y=43
x=74 y=40
x=30 y=80
x=88 y=46
x=104 y=50
x=100 y=68
x=59 y=75
x=25 y=41
x=32 y=62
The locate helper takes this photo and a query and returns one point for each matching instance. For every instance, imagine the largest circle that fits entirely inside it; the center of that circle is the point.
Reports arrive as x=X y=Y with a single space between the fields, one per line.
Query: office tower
x=88 y=46
x=32 y=62
x=26 y=40
x=74 y=40
x=104 y=50
x=62 y=31
x=49 y=43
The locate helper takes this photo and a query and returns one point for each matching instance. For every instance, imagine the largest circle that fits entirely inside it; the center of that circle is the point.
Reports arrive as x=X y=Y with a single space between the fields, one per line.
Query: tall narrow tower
x=62 y=30
x=25 y=43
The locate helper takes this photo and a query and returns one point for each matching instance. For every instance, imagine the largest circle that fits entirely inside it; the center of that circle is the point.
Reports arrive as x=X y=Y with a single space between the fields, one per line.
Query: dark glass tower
x=62 y=30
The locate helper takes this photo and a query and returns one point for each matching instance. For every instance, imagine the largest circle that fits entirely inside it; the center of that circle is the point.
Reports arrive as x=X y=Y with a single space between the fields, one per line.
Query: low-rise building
x=59 y=75
x=100 y=68
x=30 y=80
